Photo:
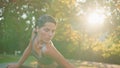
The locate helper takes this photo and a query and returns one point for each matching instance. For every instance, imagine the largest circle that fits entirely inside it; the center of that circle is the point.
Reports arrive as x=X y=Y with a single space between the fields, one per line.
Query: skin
x=45 y=35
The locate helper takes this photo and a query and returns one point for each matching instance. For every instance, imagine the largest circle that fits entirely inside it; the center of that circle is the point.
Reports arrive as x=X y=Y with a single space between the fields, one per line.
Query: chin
x=47 y=41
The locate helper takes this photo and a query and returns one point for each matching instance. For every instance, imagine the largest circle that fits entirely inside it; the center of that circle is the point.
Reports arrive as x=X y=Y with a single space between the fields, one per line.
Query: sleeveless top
x=41 y=57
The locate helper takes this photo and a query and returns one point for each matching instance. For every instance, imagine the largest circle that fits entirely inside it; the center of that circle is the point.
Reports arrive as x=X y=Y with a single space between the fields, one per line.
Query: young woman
x=42 y=47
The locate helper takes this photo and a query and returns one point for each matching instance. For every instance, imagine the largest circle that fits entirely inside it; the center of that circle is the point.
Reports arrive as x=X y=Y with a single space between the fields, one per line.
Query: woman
x=42 y=47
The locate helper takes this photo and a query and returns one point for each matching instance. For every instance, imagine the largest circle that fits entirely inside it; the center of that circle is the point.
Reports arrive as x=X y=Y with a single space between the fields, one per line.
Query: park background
x=88 y=30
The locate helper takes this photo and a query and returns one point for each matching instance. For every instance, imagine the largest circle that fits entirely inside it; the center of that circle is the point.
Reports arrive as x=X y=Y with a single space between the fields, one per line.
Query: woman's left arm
x=56 y=55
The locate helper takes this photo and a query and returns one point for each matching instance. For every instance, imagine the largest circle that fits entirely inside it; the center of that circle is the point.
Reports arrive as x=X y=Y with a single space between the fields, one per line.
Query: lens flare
x=96 y=18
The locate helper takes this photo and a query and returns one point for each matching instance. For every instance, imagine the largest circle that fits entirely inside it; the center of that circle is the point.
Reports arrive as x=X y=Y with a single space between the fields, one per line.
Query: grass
x=8 y=58
x=12 y=58
x=32 y=62
x=5 y=59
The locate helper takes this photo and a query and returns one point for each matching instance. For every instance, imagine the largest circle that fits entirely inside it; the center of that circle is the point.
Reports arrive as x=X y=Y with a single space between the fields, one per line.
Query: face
x=47 y=32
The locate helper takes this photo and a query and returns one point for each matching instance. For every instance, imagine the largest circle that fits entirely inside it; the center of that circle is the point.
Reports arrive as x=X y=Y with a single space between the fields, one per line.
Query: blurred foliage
x=73 y=37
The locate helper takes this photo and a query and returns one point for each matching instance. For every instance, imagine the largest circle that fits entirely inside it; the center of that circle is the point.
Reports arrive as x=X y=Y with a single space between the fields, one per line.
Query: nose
x=50 y=34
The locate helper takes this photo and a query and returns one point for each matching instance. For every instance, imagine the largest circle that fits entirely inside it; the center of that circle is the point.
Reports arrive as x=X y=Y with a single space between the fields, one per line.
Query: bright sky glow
x=96 y=18
x=83 y=1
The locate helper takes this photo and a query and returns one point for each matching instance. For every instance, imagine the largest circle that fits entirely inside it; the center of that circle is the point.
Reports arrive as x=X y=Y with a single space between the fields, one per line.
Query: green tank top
x=41 y=58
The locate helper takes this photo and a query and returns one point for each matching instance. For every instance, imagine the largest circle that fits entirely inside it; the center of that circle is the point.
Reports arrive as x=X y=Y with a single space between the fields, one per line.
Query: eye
x=46 y=29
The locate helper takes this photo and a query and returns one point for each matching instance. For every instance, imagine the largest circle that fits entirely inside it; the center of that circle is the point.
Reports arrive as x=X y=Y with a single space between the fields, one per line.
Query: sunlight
x=83 y=1
x=96 y=18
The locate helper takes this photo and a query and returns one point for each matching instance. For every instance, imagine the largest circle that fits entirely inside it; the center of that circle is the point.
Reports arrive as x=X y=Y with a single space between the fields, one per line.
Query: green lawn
x=32 y=62
x=12 y=58
x=8 y=58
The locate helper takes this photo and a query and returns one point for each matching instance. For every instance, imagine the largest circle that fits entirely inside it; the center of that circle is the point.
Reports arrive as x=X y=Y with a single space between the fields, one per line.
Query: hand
x=13 y=65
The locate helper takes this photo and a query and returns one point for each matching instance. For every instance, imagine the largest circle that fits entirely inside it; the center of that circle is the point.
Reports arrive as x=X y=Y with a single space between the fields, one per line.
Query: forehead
x=49 y=25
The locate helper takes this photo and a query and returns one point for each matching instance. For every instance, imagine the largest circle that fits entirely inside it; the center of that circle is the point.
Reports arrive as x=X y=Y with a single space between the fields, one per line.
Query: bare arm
x=24 y=56
x=27 y=51
x=55 y=54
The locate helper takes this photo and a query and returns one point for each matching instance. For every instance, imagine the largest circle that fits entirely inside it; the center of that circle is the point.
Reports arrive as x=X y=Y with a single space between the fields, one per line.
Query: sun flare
x=96 y=18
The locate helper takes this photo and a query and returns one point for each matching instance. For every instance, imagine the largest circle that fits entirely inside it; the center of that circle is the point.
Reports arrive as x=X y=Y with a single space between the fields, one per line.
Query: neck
x=39 y=40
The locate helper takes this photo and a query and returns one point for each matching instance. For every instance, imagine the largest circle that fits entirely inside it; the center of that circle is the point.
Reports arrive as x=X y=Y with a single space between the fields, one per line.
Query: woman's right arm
x=24 y=56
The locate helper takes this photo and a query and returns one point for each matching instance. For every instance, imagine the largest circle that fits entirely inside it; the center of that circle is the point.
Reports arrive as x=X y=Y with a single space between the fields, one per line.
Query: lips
x=48 y=38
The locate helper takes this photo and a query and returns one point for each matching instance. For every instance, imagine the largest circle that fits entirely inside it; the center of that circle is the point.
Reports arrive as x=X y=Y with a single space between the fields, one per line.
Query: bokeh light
x=96 y=18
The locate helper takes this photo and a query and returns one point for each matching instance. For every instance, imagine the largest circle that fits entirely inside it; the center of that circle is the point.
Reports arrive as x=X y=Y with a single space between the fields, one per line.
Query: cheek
x=43 y=34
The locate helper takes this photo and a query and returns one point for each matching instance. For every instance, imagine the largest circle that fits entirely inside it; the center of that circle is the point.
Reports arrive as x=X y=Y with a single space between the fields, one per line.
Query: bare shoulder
x=52 y=45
